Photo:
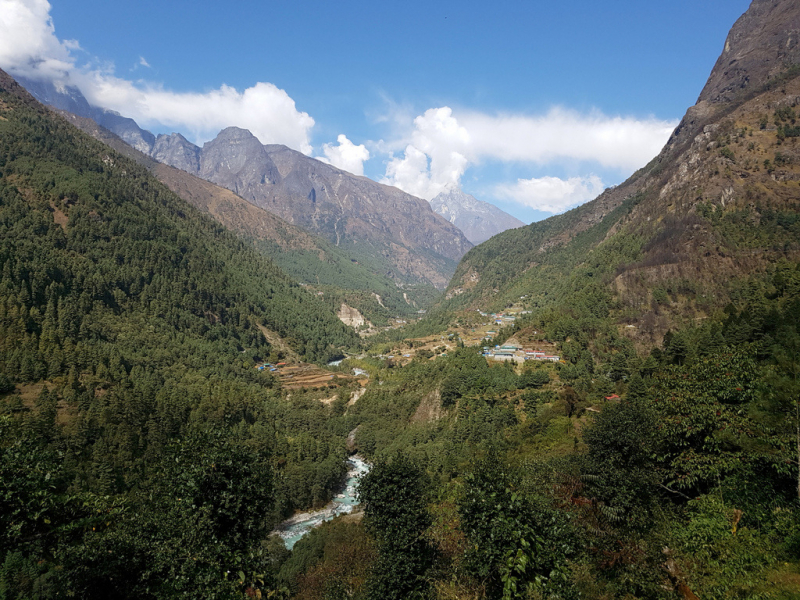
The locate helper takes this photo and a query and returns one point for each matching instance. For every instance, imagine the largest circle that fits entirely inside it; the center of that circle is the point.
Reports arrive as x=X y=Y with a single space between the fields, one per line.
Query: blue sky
x=532 y=106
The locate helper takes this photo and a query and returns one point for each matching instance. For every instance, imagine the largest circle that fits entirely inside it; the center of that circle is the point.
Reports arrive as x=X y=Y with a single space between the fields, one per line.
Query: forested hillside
x=390 y=231
x=670 y=474
x=141 y=453
x=659 y=456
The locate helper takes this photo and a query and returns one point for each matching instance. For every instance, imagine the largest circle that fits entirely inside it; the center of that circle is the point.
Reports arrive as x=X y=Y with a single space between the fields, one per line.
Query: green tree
x=783 y=393
x=619 y=367
x=6 y=385
x=395 y=513
x=623 y=442
x=516 y=544
x=703 y=419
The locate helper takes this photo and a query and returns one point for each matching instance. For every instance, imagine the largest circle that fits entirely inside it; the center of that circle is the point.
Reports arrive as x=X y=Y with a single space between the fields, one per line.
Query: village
x=473 y=329
x=515 y=353
x=478 y=329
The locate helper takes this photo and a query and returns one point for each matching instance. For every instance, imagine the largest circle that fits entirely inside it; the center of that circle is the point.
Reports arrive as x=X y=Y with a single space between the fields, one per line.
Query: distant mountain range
x=478 y=220
x=395 y=233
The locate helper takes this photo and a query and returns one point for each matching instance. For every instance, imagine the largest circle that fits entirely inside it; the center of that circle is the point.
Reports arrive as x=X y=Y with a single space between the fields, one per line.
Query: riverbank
x=345 y=502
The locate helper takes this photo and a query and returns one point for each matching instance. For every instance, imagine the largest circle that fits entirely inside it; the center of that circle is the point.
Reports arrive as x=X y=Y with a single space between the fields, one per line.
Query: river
x=296 y=527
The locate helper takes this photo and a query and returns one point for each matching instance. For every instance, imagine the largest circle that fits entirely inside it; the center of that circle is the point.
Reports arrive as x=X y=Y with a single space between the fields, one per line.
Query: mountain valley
x=601 y=405
x=393 y=232
x=310 y=259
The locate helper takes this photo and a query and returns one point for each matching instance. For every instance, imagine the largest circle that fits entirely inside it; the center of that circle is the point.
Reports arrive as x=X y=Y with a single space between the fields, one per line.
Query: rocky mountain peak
x=763 y=46
x=235 y=159
x=231 y=135
x=763 y=43
x=399 y=229
x=478 y=220
x=175 y=150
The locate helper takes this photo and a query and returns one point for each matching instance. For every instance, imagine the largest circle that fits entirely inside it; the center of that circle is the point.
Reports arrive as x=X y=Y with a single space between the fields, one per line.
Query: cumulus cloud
x=143 y=63
x=346 y=155
x=437 y=136
x=28 y=43
x=29 y=47
x=266 y=110
x=443 y=144
x=551 y=194
x=410 y=173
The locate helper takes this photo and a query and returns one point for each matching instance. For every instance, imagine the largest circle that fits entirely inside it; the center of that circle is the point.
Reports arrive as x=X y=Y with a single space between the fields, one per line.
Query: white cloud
x=143 y=63
x=410 y=173
x=30 y=47
x=431 y=155
x=625 y=143
x=28 y=44
x=551 y=194
x=346 y=155
x=437 y=136
x=266 y=110
x=451 y=142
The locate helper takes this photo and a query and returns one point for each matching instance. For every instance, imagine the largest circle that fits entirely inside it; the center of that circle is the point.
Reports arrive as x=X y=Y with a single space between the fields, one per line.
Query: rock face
x=762 y=47
x=236 y=160
x=397 y=230
x=761 y=44
x=350 y=316
x=478 y=220
x=176 y=151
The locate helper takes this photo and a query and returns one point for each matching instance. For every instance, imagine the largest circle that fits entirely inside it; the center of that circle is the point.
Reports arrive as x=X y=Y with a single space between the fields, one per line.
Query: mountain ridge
x=303 y=255
x=87 y=222
x=355 y=212
x=672 y=226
